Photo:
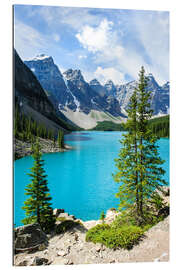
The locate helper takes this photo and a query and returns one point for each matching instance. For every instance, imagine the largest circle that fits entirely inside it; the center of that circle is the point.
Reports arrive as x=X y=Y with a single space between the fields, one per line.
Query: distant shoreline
x=22 y=149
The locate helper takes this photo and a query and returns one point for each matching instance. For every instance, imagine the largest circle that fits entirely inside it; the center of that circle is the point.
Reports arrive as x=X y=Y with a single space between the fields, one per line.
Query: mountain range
x=84 y=103
x=33 y=101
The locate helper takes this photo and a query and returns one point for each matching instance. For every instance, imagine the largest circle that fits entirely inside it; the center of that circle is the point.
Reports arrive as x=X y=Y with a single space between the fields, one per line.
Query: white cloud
x=56 y=37
x=95 y=38
x=104 y=74
x=103 y=42
x=108 y=47
x=82 y=56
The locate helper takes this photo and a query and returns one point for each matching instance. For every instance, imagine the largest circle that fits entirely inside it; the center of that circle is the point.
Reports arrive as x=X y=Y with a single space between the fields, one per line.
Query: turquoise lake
x=80 y=180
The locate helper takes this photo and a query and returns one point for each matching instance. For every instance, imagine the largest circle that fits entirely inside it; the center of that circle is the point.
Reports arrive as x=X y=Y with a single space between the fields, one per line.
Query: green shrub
x=94 y=233
x=147 y=227
x=124 y=237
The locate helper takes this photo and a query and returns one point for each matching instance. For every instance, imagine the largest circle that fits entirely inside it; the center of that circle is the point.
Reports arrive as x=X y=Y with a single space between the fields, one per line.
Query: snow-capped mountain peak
x=41 y=57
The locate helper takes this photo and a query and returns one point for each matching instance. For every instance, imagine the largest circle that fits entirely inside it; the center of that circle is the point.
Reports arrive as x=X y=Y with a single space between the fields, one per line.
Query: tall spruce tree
x=60 y=139
x=127 y=173
x=139 y=171
x=37 y=206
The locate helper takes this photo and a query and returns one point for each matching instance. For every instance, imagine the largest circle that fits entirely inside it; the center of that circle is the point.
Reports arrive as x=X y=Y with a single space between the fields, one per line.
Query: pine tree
x=37 y=206
x=60 y=139
x=102 y=216
x=127 y=173
x=139 y=165
x=54 y=141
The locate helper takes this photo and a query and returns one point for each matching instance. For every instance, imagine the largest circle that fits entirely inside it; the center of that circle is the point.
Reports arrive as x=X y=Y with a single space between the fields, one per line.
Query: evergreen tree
x=38 y=206
x=54 y=141
x=60 y=139
x=139 y=171
x=102 y=216
x=127 y=162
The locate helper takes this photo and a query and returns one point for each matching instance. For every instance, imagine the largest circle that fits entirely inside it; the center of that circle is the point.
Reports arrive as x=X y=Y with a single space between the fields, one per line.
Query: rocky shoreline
x=22 y=149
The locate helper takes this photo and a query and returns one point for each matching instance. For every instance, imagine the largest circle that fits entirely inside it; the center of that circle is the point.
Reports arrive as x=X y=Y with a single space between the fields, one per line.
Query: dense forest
x=109 y=126
x=26 y=129
x=159 y=126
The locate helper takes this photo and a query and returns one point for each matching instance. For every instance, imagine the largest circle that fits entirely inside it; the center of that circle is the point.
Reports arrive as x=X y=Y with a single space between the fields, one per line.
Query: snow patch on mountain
x=41 y=57
x=77 y=103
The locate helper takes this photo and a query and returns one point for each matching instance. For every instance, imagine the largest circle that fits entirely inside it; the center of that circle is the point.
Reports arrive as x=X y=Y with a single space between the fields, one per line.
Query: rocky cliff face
x=110 y=88
x=32 y=98
x=97 y=87
x=28 y=89
x=159 y=95
x=50 y=78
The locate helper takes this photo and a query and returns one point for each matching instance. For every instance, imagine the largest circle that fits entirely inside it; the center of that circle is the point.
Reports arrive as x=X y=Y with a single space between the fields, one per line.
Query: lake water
x=80 y=180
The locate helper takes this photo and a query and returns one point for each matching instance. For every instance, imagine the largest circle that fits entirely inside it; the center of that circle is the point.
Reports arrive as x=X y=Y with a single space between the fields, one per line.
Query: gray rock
x=39 y=261
x=23 y=263
x=62 y=253
x=68 y=249
x=29 y=236
x=98 y=249
x=42 y=247
x=76 y=237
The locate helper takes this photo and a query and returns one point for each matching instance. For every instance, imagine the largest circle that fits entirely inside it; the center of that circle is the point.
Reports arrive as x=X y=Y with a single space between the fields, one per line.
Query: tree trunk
x=136 y=176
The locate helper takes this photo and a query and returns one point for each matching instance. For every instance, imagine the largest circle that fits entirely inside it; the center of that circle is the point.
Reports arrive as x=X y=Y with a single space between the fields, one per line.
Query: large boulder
x=29 y=236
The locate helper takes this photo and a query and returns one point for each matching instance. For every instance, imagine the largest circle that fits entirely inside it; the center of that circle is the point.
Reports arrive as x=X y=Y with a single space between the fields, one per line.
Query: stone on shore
x=29 y=236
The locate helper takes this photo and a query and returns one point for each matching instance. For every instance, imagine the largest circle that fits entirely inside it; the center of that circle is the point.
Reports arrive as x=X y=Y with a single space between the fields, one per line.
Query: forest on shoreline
x=158 y=125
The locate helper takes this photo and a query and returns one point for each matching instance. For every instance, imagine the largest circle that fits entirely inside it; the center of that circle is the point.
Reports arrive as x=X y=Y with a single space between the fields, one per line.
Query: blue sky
x=102 y=43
